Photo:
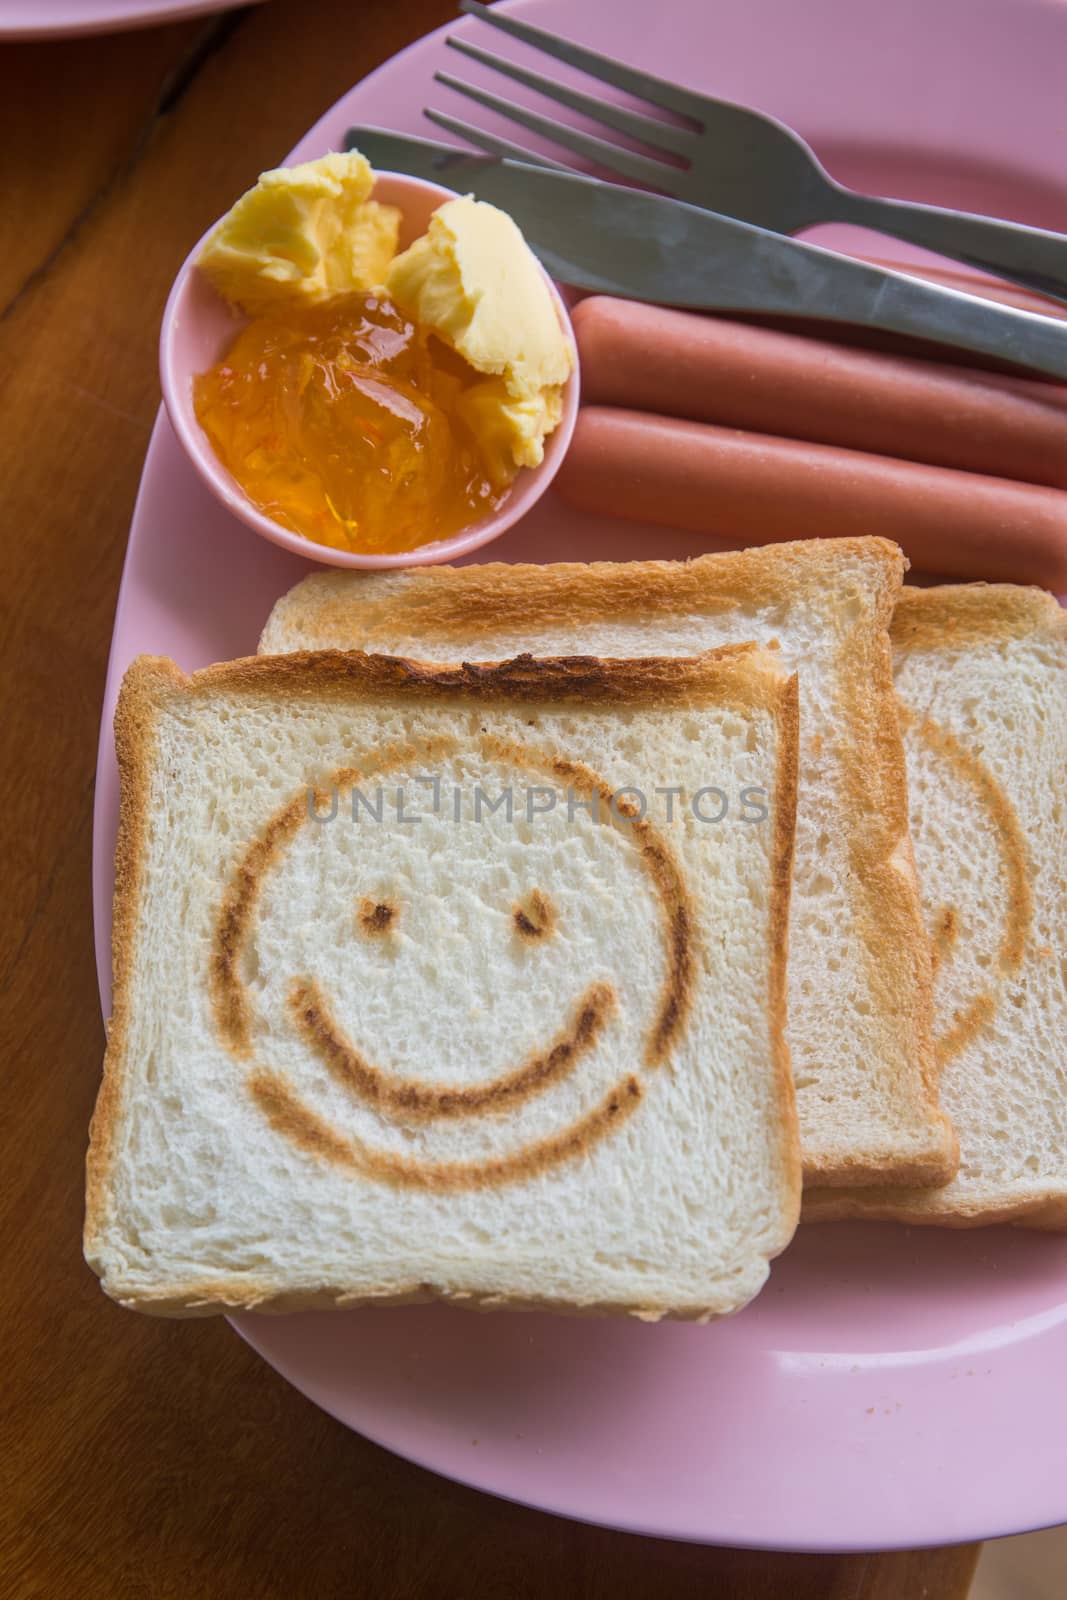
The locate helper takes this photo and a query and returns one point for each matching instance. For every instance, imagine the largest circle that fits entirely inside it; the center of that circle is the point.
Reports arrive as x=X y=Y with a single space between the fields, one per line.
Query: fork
x=734 y=160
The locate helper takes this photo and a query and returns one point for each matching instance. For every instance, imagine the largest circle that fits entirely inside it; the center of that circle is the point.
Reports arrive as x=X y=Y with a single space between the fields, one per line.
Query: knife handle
x=1031 y=256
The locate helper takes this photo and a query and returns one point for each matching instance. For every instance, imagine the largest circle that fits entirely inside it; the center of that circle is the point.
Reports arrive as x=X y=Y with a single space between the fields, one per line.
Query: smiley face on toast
x=429 y=981
x=960 y=813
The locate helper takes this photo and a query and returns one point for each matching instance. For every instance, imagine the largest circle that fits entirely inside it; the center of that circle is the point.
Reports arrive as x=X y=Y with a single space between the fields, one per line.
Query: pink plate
x=67 y=19
x=891 y=1386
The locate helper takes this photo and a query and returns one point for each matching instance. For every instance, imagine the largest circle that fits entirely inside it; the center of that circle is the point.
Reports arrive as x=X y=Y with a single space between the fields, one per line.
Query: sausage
x=750 y=488
x=735 y=374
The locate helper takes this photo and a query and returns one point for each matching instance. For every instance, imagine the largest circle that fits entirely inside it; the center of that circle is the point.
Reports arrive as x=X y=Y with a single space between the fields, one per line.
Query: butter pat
x=301 y=235
x=511 y=432
x=473 y=281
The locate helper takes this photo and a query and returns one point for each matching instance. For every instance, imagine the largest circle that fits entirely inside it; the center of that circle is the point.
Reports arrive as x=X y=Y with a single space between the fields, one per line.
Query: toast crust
x=883 y=867
x=946 y=618
x=743 y=676
x=219 y=1296
x=729 y=676
x=497 y=595
x=959 y=614
x=134 y=748
x=1045 y=1209
x=459 y=602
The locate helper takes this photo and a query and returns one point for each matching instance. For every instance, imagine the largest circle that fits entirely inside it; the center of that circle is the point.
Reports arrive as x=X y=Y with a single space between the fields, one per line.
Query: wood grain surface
x=146 y=1460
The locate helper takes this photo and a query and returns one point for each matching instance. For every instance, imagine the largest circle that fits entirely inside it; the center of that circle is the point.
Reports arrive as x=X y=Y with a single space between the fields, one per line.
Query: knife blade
x=615 y=240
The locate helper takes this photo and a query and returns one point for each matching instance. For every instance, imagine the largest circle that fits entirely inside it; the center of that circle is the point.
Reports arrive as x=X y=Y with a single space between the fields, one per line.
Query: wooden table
x=145 y=1460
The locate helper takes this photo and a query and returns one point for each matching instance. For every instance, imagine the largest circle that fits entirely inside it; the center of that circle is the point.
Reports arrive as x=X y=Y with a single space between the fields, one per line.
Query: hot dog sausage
x=750 y=488
x=710 y=369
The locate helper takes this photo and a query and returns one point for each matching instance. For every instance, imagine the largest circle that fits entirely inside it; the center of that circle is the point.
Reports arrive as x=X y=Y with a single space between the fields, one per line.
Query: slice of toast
x=860 y=995
x=981 y=671
x=466 y=983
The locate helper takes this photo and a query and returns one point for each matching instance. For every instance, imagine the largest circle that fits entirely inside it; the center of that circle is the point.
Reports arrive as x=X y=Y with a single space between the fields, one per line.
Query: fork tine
x=491 y=142
x=632 y=123
x=625 y=162
x=642 y=84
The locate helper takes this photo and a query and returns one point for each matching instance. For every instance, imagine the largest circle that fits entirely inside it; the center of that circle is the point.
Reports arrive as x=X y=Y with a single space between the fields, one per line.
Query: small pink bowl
x=198 y=325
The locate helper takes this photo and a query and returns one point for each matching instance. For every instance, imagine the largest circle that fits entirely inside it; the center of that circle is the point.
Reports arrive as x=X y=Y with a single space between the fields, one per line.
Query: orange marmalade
x=342 y=423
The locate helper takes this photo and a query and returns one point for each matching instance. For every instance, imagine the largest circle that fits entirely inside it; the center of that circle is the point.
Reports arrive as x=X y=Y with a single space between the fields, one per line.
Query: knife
x=622 y=241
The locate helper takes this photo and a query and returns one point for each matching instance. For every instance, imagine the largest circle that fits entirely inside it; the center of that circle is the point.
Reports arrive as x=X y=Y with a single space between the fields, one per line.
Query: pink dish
x=67 y=19
x=197 y=327
x=891 y=1386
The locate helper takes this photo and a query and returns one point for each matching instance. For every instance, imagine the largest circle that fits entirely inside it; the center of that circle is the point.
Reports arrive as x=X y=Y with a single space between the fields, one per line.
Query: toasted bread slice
x=982 y=676
x=860 y=1000
x=397 y=1015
